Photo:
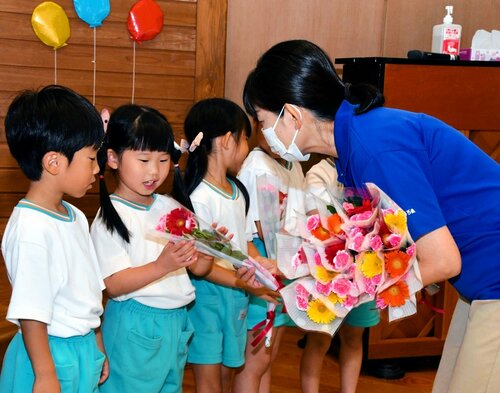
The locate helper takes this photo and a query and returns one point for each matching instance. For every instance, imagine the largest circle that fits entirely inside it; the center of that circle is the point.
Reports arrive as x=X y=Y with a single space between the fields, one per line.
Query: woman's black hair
x=301 y=73
x=54 y=118
x=214 y=117
x=131 y=127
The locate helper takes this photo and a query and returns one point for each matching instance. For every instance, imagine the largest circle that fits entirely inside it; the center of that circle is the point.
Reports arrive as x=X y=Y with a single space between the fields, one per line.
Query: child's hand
x=223 y=231
x=269 y=264
x=247 y=276
x=46 y=384
x=176 y=256
x=265 y=294
x=203 y=265
x=104 y=371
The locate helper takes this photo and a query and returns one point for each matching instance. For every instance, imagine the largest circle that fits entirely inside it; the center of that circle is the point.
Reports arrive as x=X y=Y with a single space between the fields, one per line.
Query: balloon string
x=94 y=62
x=133 y=73
x=55 y=66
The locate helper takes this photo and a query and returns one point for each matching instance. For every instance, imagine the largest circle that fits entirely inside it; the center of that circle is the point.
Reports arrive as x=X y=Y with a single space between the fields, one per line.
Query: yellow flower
x=396 y=221
x=323 y=275
x=371 y=264
x=334 y=298
x=319 y=313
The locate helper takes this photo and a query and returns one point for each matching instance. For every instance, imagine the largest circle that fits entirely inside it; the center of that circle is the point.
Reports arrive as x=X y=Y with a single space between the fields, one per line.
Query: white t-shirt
x=291 y=178
x=212 y=204
x=174 y=290
x=53 y=270
x=319 y=178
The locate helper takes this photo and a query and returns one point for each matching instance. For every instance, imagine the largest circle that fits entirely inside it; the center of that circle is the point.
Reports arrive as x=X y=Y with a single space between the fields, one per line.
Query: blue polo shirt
x=434 y=173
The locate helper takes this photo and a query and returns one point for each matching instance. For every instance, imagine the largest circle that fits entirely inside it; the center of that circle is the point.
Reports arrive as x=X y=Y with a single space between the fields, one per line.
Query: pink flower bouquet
x=353 y=250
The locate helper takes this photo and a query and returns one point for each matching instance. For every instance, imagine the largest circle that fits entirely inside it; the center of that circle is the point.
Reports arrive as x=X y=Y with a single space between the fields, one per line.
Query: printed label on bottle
x=451 y=41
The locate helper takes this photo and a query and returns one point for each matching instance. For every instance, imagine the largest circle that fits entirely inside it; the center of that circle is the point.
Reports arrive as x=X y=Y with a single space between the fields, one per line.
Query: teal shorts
x=257 y=308
x=78 y=363
x=365 y=315
x=146 y=346
x=219 y=317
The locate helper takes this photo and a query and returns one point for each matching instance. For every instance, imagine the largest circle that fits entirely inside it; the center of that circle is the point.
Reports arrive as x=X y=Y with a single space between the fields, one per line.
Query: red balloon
x=145 y=20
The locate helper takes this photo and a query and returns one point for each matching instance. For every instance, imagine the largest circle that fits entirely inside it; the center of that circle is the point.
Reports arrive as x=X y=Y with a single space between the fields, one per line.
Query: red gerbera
x=180 y=221
x=365 y=206
x=332 y=250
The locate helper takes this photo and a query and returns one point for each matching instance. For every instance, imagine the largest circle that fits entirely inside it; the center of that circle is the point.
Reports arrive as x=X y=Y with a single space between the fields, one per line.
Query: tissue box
x=480 y=54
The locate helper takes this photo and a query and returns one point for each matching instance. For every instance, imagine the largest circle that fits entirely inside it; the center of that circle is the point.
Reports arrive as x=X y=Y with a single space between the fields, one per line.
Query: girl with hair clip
x=146 y=326
x=217 y=132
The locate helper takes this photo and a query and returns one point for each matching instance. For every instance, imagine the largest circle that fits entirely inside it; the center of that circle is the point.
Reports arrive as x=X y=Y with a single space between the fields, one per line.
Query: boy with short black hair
x=57 y=288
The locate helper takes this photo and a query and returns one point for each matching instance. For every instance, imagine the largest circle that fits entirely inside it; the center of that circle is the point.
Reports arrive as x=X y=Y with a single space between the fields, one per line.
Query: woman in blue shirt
x=449 y=188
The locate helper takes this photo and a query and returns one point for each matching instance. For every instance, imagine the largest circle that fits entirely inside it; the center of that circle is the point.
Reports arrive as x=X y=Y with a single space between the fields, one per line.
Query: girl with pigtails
x=146 y=326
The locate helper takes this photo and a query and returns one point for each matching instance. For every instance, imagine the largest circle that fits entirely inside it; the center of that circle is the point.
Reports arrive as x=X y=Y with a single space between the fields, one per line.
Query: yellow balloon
x=51 y=24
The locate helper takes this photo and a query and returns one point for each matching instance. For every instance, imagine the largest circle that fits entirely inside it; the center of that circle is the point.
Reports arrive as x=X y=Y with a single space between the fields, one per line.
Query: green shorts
x=146 y=346
x=365 y=315
x=77 y=359
x=219 y=317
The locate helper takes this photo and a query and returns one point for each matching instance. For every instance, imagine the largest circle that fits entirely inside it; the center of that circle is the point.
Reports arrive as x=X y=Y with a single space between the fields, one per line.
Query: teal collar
x=133 y=205
x=69 y=217
x=235 y=194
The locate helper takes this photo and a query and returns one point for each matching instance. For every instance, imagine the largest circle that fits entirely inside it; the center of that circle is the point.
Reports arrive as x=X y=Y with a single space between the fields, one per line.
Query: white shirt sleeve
x=34 y=283
x=110 y=249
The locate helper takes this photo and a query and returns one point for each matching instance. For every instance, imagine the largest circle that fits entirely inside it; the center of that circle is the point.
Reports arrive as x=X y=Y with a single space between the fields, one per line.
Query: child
x=319 y=178
x=56 y=297
x=217 y=131
x=146 y=326
x=255 y=376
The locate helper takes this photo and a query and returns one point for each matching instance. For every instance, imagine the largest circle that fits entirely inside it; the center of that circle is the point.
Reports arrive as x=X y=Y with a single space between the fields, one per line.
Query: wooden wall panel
x=409 y=23
x=185 y=62
x=342 y=28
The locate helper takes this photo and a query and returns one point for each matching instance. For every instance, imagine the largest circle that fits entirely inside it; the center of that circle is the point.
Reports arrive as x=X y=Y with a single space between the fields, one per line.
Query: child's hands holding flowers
x=177 y=255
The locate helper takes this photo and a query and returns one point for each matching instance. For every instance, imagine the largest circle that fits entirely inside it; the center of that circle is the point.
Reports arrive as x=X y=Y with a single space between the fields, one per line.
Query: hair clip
x=105 y=118
x=186 y=147
x=196 y=142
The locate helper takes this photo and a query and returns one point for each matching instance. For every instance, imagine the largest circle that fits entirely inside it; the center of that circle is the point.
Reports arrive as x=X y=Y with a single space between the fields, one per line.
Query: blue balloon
x=92 y=12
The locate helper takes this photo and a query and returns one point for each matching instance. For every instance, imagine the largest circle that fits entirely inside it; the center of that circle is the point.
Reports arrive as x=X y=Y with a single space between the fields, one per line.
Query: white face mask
x=293 y=152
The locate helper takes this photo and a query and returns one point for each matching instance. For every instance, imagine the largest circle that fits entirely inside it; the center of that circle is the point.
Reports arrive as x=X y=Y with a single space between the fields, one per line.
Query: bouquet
x=181 y=224
x=271 y=203
x=355 y=249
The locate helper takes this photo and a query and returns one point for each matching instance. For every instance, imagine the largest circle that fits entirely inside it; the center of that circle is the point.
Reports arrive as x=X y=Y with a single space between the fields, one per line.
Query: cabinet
x=465 y=95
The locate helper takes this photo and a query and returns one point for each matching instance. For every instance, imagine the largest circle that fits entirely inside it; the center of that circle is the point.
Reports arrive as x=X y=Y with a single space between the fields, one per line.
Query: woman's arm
x=36 y=340
x=438 y=256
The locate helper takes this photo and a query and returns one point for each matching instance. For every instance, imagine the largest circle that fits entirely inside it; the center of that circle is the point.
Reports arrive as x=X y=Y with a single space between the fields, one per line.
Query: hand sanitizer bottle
x=446 y=37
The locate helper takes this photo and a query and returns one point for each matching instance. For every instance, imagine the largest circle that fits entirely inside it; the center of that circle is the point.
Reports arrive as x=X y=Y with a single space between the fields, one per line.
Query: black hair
x=131 y=127
x=301 y=73
x=214 y=117
x=54 y=118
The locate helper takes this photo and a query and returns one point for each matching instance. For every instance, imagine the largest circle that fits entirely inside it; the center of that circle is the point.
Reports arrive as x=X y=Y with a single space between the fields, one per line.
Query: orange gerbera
x=396 y=294
x=396 y=263
x=334 y=222
x=320 y=233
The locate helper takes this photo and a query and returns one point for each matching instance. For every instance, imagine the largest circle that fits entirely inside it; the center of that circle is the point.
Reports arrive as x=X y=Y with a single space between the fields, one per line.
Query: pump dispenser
x=446 y=37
